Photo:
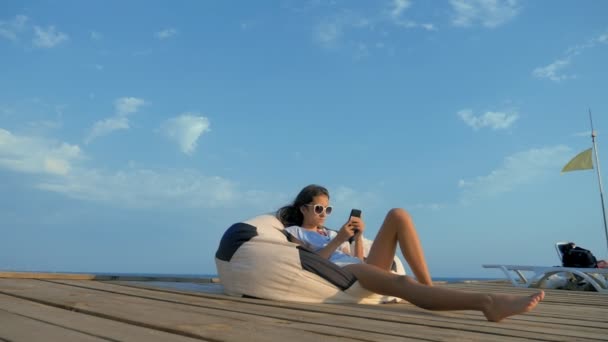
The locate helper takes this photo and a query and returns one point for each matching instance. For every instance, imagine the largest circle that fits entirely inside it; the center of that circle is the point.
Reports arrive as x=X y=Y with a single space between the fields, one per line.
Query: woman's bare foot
x=502 y=306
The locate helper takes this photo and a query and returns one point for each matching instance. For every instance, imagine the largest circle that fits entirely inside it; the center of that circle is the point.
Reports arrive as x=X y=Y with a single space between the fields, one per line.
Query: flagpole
x=599 y=177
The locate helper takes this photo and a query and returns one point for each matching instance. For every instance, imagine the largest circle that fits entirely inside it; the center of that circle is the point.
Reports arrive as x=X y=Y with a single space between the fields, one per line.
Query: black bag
x=578 y=257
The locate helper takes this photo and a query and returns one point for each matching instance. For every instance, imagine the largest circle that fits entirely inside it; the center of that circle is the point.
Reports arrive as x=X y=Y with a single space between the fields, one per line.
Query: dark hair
x=290 y=215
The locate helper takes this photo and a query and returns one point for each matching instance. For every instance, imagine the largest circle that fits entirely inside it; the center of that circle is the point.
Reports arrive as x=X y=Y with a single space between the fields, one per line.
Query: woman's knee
x=400 y=214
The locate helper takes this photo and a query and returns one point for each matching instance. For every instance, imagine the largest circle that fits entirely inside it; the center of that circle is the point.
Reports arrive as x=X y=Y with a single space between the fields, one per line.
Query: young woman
x=304 y=220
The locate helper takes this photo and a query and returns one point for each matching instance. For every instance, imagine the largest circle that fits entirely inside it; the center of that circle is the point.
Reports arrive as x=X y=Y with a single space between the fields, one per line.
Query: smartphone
x=354 y=213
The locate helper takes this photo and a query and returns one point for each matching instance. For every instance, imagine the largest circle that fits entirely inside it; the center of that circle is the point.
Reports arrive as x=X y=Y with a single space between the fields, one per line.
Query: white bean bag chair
x=255 y=259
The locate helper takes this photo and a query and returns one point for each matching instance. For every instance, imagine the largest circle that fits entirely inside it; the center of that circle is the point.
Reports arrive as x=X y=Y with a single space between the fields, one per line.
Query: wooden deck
x=80 y=309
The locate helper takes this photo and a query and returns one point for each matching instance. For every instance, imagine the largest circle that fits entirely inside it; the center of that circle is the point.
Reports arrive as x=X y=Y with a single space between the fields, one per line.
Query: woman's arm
x=359 y=247
x=344 y=234
x=358 y=228
x=331 y=247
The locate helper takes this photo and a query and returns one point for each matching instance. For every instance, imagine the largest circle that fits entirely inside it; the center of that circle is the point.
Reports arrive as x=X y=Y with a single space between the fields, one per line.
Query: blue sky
x=132 y=134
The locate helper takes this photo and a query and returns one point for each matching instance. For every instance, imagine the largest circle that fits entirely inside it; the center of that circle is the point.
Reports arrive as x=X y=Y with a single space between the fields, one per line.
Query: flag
x=582 y=161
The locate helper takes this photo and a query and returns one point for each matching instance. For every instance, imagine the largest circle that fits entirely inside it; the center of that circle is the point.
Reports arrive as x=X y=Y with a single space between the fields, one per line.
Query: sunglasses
x=319 y=209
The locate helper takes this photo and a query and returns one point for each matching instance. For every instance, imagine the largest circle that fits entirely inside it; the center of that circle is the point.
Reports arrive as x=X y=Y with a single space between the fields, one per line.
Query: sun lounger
x=596 y=277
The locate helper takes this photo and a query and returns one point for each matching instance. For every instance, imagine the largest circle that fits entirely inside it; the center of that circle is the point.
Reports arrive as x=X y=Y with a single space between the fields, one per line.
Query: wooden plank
x=591 y=305
x=601 y=297
x=14 y=327
x=83 y=323
x=345 y=316
x=553 y=296
x=557 y=316
x=365 y=319
x=224 y=325
x=529 y=318
x=336 y=324
x=601 y=313
x=84 y=276
x=510 y=286
x=352 y=334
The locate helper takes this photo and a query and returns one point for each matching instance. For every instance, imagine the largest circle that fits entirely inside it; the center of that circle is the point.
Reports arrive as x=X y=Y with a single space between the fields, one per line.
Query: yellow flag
x=582 y=161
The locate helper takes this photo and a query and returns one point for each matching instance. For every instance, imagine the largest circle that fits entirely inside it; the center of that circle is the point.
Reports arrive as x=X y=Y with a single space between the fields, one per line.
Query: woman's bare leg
x=398 y=227
x=495 y=307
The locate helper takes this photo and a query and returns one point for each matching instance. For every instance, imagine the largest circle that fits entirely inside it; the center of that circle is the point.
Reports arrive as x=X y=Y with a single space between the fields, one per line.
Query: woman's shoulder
x=293 y=229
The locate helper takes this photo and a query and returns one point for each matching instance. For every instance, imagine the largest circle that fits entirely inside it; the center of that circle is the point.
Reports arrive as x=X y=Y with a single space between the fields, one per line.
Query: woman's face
x=311 y=217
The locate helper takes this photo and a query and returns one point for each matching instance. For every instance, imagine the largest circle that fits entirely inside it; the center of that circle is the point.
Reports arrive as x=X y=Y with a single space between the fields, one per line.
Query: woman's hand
x=354 y=227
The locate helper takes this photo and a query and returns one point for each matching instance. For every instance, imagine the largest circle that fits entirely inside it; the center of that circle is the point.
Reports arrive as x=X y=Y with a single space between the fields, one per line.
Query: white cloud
x=399 y=6
x=553 y=71
x=123 y=107
x=601 y=38
x=128 y=105
x=409 y=24
x=107 y=126
x=578 y=49
x=145 y=188
x=395 y=16
x=56 y=166
x=334 y=29
x=490 y=13
x=36 y=155
x=494 y=120
x=165 y=34
x=11 y=29
x=518 y=169
x=350 y=198
x=59 y=168
x=44 y=125
x=327 y=33
x=96 y=35
x=49 y=37
x=185 y=130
